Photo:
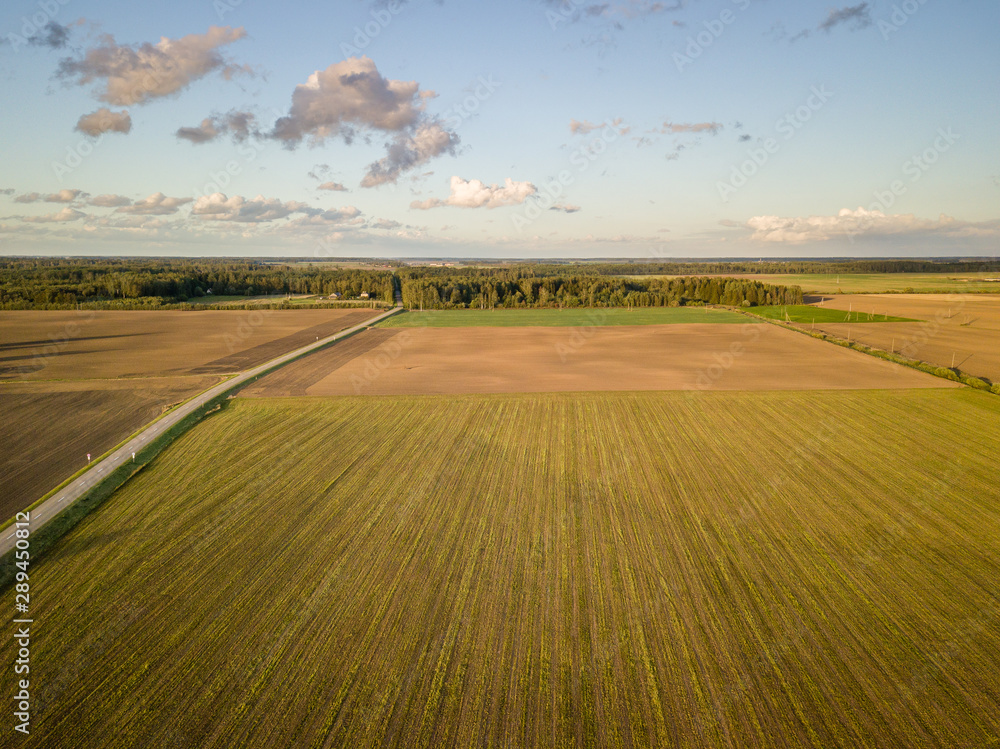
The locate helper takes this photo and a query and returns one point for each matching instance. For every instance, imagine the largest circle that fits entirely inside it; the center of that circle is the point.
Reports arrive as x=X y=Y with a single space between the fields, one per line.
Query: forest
x=131 y=283
x=463 y=290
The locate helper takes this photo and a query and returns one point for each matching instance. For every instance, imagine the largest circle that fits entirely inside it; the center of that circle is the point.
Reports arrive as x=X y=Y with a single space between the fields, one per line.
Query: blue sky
x=530 y=128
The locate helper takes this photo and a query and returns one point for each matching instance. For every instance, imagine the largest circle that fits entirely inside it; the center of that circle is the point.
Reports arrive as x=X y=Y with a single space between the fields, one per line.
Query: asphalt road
x=79 y=486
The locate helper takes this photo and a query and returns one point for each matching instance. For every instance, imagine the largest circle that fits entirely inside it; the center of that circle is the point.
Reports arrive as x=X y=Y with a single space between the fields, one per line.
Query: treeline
x=466 y=291
x=713 y=267
x=146 y=284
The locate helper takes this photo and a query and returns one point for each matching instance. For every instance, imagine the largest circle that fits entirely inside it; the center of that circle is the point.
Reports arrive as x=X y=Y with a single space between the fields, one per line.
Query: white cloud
x=476 y=194
x=219 y=207
x=859 y=16
x=63 y=196
x=861 y=222
x=346 y=95
x=584 y=127
x=109 y=201
x=135 y=74
x=409 y=151
x=104 y=120
x=334 y=186
x=65 y=215
x=156 y=204
x=384 y=223
x=240 y=125
x=692 y=127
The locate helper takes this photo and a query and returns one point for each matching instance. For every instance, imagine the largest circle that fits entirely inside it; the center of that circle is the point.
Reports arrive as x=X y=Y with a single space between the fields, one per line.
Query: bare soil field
x=47 y=345
x=73 y=383
x=49 y=428
x=966 y=326
x=652 y=357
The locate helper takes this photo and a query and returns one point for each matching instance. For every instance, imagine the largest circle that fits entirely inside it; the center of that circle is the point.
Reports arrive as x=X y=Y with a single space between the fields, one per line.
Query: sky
x=515 y=129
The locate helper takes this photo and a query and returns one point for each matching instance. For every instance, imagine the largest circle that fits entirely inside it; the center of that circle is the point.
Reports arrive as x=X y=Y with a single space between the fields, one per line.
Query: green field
x=878 y=283
x=506 y=318
x=697 y=570
x=804 y=313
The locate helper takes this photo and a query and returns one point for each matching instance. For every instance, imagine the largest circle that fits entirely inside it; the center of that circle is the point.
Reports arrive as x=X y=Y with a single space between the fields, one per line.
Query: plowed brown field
x=73 y=383
x=963 y=328
x=652 y=357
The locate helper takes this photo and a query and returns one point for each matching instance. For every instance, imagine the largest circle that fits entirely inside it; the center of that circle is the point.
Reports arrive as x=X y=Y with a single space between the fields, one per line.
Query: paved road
x=79 y=486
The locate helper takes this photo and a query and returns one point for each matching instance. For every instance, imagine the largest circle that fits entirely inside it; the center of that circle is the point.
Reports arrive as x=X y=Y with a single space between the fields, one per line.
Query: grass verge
x=49 y=534
x=586 y=317
x=804 y=313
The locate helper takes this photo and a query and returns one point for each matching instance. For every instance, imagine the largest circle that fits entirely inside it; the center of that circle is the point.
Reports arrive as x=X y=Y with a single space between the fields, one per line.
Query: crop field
x=806 y=313
x=73 y=383
x=96 y=345
x=50 y=428
x=697 y=570
x=752 y=356
x=960 y=328
x=879 y=283
x=560 y=317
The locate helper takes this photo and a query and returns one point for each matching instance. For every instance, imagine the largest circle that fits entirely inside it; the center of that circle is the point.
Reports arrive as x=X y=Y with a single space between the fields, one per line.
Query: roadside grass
x=586 y=317
x=44 y=538
x=804 y=313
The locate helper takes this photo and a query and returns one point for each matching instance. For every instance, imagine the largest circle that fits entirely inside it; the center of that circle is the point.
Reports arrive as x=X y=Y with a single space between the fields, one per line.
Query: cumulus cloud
x=408 y=151
x=156 y=204
x=860 y=222
x=385 y=224
x=219 y=207
x=63 y=216
x=63 y=196
x=692 y=127
x=348 y=95
x=859 y=16
x=237 y=124
x=476 y=194
x=109 y=201
x=104 y=120
x=135 y=74
x=565 y=208
x=334 y=186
